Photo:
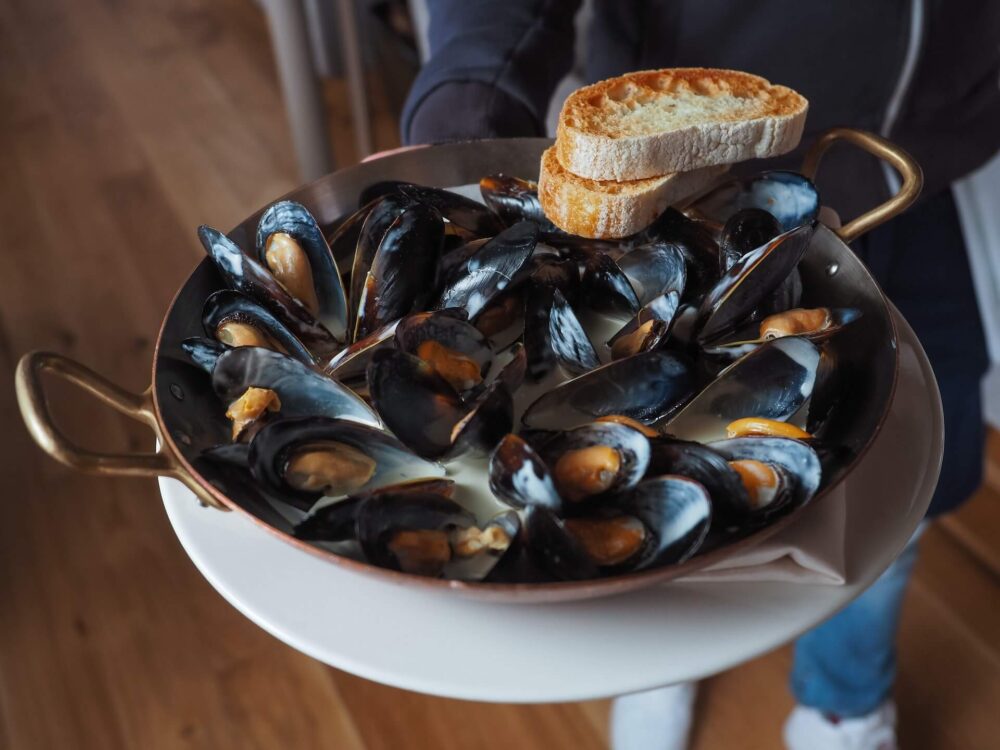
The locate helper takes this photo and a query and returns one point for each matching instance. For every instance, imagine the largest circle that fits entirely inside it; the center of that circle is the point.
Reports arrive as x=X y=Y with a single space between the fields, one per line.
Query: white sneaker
x=655 y=720
x=809 y=729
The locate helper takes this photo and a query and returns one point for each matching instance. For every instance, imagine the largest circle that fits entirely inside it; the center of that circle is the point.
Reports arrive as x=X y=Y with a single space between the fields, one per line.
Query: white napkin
x=809 y=550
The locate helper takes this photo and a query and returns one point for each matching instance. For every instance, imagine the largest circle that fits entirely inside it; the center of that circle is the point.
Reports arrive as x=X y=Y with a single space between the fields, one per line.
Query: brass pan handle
x=138 y=406
x=906 y=165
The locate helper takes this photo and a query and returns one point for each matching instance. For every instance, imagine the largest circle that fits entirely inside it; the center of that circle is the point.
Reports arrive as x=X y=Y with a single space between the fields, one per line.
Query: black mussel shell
x=382 y=214
x=645 y=387
x=416 y=403
x=491 y=270
x=774 y=381
x=745 y=230
x=491 y=417
x=799 y=466
x=676 y=511
x=380 y=189
x=705 y=466
x=730 y=351
x=457 y=209
x=553 y=549
x=559 y=273
x=452 y=258
x=302 y=391
x=351 y=363
x=513 y=372
x=482 y=565
x=789 y=196
x=751 y=279
x=343 y=238
x=519 y=476
x=648 y=329
x=403 y=273
x=204 y=352
x=553 y=335
x=655 y=269
x=605 y=287
x=244 y=274
x=697 y=245
x=277 y=443
x=456 y=335
x=632 y=447
x=385 y=514
x=227 y=468
x=337 y=521
x=295 y=220
x=514 y=200
x=228 y=305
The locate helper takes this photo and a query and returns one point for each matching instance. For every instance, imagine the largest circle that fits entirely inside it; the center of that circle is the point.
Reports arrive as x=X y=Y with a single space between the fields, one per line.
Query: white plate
x=451 y=646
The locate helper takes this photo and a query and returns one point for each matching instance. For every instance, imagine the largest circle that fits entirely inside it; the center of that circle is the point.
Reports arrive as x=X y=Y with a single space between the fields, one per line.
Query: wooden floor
x=125 y=124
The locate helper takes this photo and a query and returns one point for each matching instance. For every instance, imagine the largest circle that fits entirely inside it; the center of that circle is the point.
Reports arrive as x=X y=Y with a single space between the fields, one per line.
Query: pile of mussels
x=625 y=400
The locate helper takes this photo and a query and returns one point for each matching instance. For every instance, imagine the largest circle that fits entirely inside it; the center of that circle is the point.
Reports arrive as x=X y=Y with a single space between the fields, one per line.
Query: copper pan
x=185 y=417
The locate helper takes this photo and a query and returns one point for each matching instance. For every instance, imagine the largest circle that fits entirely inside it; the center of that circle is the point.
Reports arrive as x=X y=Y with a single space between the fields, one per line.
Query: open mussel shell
x=410 y=531
x=789 y=196
x=227 y=468
x=455 y=348
x=553 y=335
x=695 y=242
x=744 y=231
x=553 y=549
x=648 y=329
x=705 y=466
x=228 y=308
x=204 y=352
x=596 y=460
x=416 y=403
x=301 y=390
x=476 y=562
x=294 y=219
x=519 y=477
x=774 y=381
x=514 y=200
x=343 y=239
x=379 y=216
x=484 y=425
x=750 y=280
x=645 y=387
x=835 y=321
x=337 y=521
x=313 y=457
x=677 y=513
x=351 y=363
x=244 y=274
x=799 y=471
x=490 y=271
x=403 y=272
x=605 y=287
x=457 y=209
x=654 y=269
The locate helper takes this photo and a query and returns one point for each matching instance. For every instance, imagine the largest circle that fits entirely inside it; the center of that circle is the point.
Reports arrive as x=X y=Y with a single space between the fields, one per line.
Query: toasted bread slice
x=660 y=121
x=610 y=209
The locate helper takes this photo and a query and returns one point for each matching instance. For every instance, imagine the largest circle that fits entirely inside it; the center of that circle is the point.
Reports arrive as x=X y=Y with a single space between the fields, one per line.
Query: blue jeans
x=847 y=665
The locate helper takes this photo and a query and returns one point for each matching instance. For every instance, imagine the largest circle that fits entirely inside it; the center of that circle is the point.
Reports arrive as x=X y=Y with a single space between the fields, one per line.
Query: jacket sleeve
x=493 y=67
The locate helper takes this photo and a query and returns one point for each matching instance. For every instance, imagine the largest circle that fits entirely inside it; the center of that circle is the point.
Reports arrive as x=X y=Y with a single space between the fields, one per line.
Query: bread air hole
x=621 y=91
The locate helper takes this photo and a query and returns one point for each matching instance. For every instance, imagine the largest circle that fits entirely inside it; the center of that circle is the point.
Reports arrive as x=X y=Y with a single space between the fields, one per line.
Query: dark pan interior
x=864 y=355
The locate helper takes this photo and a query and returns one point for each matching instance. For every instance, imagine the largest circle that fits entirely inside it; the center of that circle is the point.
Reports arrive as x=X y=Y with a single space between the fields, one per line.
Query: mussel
x=774 y=381
x=454 y=348
x=403 y=271
x=314 y=457
x=491 y=270
x=236 y=320
x=661 y=521
x=291 y=245
x=514 y=200
x=645 y=387
x=789 y=196
x=777 y=473
x=245 y=274
x=553 y=335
